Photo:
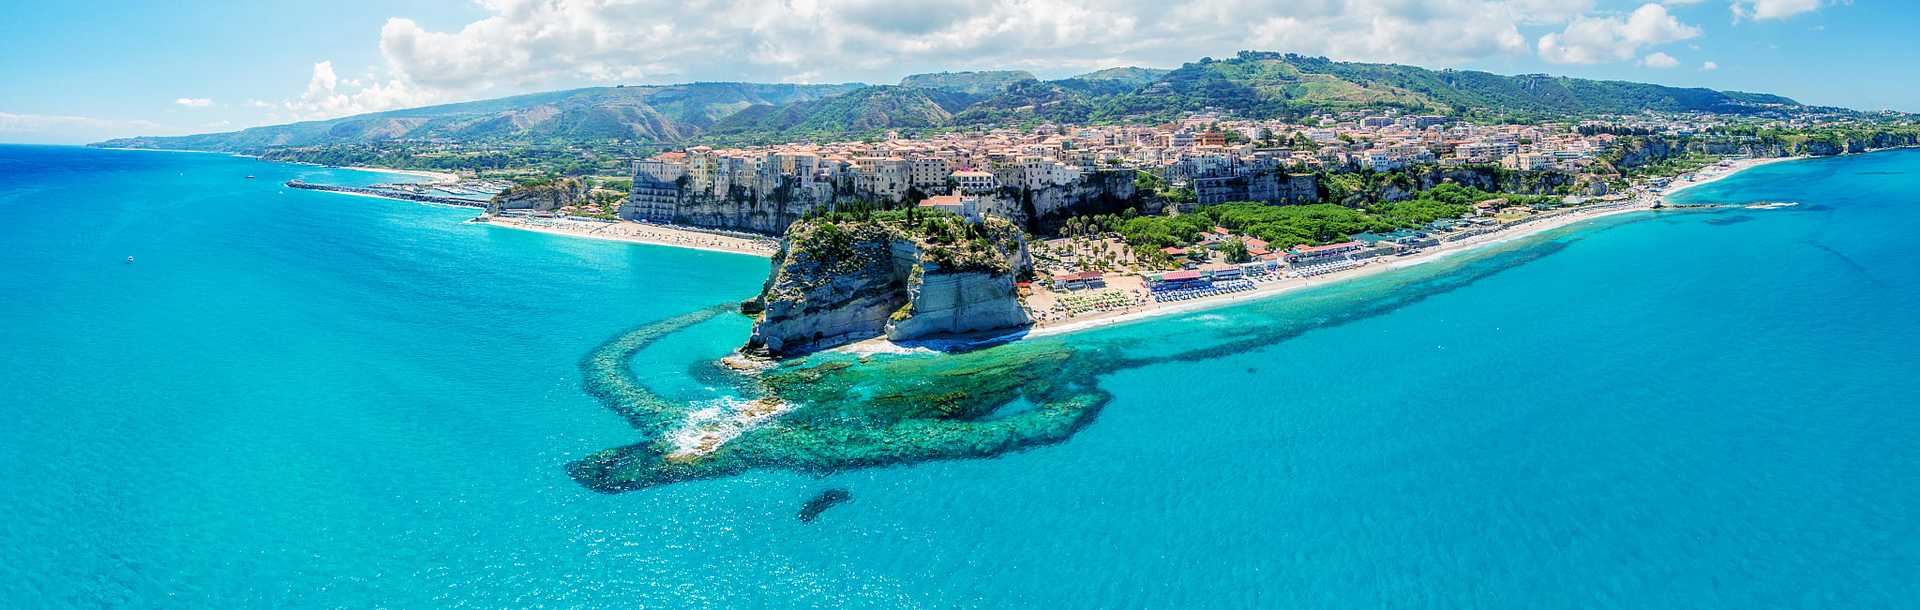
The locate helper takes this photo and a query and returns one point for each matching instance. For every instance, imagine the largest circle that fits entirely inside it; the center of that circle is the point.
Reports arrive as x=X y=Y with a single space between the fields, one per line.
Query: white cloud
x=324 y=97
x=1709 y=66
x=526 y=45
x=1659 y=60
x=194 y=102
x=1771 y=9
x=1588 y=40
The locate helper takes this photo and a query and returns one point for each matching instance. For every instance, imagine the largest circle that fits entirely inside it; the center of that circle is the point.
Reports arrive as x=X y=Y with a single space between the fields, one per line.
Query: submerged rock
x=823 y=501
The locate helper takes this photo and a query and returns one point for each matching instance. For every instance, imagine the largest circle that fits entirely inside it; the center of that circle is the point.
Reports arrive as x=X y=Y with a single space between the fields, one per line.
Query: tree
x=1236 y=251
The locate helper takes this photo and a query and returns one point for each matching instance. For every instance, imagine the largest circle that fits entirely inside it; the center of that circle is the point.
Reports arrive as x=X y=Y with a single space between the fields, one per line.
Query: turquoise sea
x=306 y=399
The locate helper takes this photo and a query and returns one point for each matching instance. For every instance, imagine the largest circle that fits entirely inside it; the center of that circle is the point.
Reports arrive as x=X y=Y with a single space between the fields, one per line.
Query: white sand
x=437 y=177
x=1378 y=265
x=1715 y=173
x=642 y=233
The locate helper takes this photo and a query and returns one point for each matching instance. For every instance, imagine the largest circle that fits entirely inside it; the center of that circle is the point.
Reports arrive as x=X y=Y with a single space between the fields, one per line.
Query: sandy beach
x=1284 y=286
x=1716 y=173
x=1532 y=227
x=642 y=233
x=436 y=177
x=1535 y=226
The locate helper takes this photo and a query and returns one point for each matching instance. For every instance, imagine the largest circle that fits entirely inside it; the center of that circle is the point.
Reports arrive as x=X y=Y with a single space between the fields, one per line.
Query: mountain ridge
x=1251 y=84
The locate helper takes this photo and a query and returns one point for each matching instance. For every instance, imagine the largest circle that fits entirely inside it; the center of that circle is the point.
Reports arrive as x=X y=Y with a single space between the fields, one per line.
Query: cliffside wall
x=1635 y=152
x=773 y=210
x=839 y=282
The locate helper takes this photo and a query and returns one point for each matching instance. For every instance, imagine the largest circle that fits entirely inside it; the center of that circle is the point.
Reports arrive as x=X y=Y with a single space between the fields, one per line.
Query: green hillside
x=972 y=83
x=861 y=110
x=1258 y=84
x=1129 y=74
x=662 y=113
x=1249 y=85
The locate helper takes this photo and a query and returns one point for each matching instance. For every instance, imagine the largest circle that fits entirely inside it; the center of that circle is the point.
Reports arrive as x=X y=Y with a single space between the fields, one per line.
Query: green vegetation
x=1274 y=85
x=650 y=115
x=1148 y=185
x=1286 y=226
x=1250 y=85
x=945 y=238
x=1236 y=251
x=862 y=110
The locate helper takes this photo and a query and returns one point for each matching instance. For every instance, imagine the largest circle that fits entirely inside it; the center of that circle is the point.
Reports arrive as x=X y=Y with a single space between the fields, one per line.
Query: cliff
x=840 y=281
x=541 y=197
x=1634 y=152
x=1359 y=190
x=776 y=203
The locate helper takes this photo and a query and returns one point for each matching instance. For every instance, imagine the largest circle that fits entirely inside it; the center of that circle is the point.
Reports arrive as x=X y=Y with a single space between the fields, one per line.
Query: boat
x=129 y=260
x=249 y=176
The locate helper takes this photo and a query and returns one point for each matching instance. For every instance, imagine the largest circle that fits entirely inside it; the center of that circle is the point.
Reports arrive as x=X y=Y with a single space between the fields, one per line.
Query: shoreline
x=1734 y=169
x=881 y=345
x=1280 y=287
x=1644 y=203
x=641 y=233
x=437 y=177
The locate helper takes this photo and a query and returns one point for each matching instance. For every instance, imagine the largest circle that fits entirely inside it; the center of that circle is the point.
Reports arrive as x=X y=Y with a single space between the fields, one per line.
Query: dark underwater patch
x=852 y=414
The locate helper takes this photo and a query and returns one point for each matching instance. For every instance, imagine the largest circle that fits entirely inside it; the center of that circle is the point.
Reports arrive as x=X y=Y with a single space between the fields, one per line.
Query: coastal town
x=1062 y=181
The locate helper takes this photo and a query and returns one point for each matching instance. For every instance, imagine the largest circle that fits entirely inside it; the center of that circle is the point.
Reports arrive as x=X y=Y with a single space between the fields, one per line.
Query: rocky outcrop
x=840 y=282
x=742 y=211
x=540 y=197
x=1096 y=191
x=1632 y=152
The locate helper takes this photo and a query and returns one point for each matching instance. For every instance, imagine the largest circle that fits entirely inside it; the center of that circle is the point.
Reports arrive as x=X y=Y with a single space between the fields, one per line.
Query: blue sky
x=77 y=73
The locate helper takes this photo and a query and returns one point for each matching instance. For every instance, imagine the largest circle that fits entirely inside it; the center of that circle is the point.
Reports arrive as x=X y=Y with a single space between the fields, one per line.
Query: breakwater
x=388 y=193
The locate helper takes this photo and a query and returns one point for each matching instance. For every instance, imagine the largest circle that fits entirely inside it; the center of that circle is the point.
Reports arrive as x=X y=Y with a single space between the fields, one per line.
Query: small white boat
x=129 y=260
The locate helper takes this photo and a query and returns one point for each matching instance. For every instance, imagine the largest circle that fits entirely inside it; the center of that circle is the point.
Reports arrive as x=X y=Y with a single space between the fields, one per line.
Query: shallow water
x=307 y=399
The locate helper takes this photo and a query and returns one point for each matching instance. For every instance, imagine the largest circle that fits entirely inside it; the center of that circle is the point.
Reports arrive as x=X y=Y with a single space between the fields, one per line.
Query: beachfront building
x=1306 y=254
x=655 y=195
x=1178 y=280
x=1080 y=280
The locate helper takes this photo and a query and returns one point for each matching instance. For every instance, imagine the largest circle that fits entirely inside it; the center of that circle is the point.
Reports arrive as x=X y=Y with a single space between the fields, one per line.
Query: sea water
x=295 y=398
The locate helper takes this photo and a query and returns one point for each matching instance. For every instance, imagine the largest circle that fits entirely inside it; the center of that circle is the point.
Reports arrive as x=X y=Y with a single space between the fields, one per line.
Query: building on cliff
x=766 y=191
x=656 y=191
